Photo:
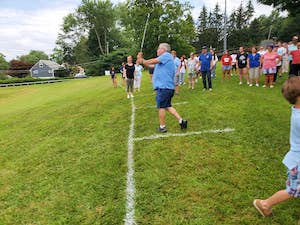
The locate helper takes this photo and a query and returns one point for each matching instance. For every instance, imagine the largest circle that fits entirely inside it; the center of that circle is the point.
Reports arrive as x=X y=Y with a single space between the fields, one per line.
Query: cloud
x=22 y=31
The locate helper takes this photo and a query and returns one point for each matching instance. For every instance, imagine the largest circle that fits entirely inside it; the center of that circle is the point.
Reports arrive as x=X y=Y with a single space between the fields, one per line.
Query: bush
x=3 y=76
x=105 y=62
x=62 y=72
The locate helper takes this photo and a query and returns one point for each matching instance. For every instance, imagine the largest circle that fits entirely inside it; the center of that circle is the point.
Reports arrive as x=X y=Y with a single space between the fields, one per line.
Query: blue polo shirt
x=177 y=63
x=205 y=61
x=164 y=72
x=292 y=158
x=254 y=60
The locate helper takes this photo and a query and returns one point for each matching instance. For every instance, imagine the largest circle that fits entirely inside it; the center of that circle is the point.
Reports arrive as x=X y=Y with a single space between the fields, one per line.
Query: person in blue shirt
x=254 y=65
x=177 y=71
x=291 y=92
x=206 y=64
x=163 y=84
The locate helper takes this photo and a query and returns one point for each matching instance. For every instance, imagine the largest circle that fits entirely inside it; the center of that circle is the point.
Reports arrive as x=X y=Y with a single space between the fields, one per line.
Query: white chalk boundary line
x=157 y=136
x=153 y=107
x=130 y=186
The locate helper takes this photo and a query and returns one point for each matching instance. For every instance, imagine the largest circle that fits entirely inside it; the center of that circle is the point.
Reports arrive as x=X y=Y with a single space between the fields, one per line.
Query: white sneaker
x=131 y=96
x=257 y=85
x=264 y=86
x=128 y=96
x=241 y=83
x=250 y=85
x=210 y=89
x=204 y=89
x=271 y=86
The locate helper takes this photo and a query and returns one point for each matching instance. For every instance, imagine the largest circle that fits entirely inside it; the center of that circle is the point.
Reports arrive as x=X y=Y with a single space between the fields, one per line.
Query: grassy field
x=63 y=157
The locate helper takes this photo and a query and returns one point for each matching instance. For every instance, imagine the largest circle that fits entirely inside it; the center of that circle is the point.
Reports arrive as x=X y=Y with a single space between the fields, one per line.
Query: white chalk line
x=130 y=186
x=153 y=107
x=157 y=136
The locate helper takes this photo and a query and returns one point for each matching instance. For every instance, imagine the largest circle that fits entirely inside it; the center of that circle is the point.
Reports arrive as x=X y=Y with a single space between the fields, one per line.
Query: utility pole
x=225 y=27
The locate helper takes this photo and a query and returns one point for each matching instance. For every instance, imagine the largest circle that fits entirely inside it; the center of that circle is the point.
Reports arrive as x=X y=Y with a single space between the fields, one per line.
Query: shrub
x=105 y=62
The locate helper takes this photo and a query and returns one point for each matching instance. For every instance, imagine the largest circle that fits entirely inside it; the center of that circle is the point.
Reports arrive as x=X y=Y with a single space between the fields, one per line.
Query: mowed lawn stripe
x=63 y=156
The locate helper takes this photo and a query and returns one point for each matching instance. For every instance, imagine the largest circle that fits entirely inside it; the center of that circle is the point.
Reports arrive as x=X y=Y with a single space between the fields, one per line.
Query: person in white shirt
x=214 y=62
x=233 y=63
x=192 y=68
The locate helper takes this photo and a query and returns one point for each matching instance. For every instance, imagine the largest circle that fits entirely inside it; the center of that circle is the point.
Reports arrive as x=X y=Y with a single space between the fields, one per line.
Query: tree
x=4 y=65
x=98 y=15
x=34 y=56
x=167 y=23
x=292 y=6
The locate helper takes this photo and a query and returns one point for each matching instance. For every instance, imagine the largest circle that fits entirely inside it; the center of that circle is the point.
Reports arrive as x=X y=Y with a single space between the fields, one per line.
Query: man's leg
x=209 y=79
x=162 y=117
x=174 y=113
x=204 y=79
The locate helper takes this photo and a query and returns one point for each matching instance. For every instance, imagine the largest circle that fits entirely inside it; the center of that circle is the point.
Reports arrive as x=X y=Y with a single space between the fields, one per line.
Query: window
x=50 y=71
x=41 y=65
x=35 y=72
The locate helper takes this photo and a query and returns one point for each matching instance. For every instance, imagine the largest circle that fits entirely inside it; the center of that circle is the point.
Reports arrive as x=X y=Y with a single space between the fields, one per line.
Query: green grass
x=63 y=157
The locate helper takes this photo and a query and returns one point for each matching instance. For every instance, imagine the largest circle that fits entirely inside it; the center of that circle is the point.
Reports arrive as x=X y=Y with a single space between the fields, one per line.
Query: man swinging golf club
x=163 y=84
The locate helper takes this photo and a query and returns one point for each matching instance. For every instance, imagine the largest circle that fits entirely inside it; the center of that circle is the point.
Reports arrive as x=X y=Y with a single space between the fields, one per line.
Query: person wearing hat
x=269 y=65
x=292 y=47
x=205 y=63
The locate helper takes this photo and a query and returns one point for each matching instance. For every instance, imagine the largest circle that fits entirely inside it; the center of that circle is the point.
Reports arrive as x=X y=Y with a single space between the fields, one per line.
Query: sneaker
x=264 y=86
x=183 y=124
x=204 y=89
x=162 y=130
x=250 y=85
x=241 y=83
x=271 y=86
x=131 y=96
x=257 y=85
x=128 y=96
x=265 y=212
x=210 y=89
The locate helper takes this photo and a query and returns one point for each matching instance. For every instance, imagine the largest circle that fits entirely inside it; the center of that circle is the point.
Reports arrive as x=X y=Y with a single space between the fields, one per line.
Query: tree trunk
x=99 y=41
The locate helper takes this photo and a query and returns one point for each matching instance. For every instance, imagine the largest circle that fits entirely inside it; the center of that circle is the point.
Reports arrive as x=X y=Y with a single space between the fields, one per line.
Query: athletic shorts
x=254 y=73
x=176 y=80
x=269 y=70
x=226 y=68
x=113 y=76
x=192 y=75
x=293 y=182
x=163 y=98
x=234 y=66
x=295 y=69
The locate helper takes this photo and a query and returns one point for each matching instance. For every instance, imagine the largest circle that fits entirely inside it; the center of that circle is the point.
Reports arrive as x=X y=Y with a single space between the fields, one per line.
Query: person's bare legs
x=162 y=117
x=177 y=89
x=174 y=113
x=193 y=82
x=228 y=74
x=276 y=198
x=241 y=76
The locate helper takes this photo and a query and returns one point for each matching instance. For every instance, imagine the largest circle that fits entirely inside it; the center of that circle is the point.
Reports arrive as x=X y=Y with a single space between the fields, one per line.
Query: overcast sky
x=34 y=24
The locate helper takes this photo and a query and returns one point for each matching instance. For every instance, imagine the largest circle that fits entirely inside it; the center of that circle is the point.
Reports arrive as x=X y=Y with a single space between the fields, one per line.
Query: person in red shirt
x=226 y=61
x=295 y=66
